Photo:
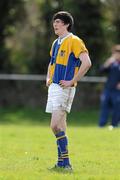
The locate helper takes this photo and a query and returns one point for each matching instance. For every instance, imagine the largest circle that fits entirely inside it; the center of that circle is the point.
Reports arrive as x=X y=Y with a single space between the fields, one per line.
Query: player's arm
x=108 y=62
x=48 y=76
x=85 y=65
x=105 y=67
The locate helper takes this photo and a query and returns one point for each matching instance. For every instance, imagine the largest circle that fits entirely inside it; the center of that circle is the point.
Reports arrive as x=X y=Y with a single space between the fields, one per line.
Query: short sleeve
x=78 y=46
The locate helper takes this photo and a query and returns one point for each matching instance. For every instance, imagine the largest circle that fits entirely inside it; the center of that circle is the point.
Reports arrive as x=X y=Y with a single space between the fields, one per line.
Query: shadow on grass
x=37 y=116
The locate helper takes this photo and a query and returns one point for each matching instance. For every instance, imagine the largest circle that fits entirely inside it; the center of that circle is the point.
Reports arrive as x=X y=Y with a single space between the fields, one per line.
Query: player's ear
x=67 y=25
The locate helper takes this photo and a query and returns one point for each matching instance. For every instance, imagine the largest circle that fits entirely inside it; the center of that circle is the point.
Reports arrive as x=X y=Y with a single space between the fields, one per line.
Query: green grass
x=28 y=148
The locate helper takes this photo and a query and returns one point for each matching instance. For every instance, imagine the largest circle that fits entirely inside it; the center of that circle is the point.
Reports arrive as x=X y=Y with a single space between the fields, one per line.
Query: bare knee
x=58 y=121
x=55 y=128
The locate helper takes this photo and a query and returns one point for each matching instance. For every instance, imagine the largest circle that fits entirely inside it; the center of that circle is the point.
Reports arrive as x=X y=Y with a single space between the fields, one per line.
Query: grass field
x=28 y=149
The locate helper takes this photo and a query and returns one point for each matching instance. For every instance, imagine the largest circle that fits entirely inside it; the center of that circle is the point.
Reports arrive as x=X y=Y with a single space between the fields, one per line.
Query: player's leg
x=104 y=108
x=116 y=108
x=58 y=121
x=61 y=100
x=58 y=126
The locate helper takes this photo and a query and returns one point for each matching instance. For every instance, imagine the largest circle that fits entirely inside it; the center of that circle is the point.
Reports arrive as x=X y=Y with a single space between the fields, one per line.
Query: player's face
x=59 y=27
x=117 y=54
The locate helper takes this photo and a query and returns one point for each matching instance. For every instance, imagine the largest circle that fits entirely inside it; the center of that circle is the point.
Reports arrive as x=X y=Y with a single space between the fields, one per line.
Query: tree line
x=26 y=31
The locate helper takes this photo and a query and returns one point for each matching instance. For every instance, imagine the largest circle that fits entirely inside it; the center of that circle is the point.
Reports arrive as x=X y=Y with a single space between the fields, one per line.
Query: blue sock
x=60 y=160
x=63 y=145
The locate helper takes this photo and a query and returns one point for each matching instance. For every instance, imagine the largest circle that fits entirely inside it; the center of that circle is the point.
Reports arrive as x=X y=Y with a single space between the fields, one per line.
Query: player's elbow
x=85 y=59
x=88 y=64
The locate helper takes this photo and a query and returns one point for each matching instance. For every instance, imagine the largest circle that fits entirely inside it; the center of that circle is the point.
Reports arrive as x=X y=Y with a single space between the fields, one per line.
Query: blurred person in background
x=110 y=98
x=69 y=63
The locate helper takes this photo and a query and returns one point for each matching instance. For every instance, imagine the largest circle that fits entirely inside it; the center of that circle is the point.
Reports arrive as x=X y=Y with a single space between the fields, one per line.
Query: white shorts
x=59 y=98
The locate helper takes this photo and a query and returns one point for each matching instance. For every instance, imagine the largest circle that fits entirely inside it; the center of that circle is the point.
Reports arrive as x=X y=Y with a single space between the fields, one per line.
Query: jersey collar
x=60 y=40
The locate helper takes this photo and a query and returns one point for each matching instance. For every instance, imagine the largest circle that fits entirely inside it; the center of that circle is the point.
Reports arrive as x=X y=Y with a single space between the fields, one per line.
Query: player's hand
x=109 y=61
x=66 y=84
x=118 y=86
x=48 y=82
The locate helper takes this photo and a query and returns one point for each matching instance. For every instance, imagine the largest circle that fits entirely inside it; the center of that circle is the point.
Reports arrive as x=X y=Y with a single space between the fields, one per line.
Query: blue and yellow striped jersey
x=65 y=62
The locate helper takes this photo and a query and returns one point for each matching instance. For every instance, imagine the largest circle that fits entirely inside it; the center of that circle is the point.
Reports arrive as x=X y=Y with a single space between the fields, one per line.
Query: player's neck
x=62 y=35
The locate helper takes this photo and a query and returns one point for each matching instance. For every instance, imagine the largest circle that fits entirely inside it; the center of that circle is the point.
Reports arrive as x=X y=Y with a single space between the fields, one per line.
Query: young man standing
x=110 y=98
x=69 y=63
